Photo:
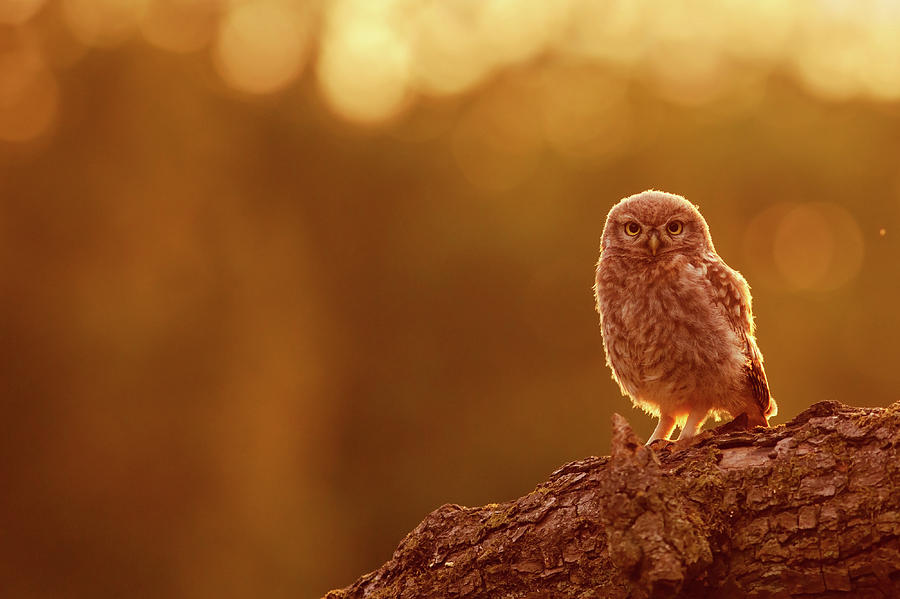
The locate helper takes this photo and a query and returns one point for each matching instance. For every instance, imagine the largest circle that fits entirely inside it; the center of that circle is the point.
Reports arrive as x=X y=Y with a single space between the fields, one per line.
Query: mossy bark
x=810 y=508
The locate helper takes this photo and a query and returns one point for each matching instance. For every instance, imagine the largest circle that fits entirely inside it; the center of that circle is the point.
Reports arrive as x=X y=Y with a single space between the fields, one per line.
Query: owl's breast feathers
x=679 y=326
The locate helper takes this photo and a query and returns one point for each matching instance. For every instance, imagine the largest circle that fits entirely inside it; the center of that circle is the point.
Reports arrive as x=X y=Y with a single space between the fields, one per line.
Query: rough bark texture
x=806 y=509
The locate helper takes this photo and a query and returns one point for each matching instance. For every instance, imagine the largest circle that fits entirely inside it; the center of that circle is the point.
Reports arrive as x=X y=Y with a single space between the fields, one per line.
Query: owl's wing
x=732 y=293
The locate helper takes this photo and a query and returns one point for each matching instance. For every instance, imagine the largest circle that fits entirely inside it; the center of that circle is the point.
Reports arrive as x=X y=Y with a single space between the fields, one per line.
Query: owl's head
x=655 y=224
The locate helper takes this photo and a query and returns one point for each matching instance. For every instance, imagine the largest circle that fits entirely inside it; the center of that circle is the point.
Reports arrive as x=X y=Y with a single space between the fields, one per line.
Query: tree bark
x=807 y=509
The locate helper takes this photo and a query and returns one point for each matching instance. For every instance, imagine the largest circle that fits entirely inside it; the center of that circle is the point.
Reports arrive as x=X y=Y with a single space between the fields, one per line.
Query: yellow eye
x=675 y=227
x=632 y=228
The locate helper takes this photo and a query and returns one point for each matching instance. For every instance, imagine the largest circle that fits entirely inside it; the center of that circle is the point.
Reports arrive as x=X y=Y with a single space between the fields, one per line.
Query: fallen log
x=807 y=509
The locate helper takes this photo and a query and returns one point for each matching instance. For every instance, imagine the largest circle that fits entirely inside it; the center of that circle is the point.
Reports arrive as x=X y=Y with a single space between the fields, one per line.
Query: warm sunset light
x=364 y=67
x=585 y=113
x=817 y=246
x=810 y=246
x=449 y=52
x=280 y=277
x=181 y=25
x=16 y=12
x=28 y=91
x=261 y=46
x=375 y=58
x=498 y=140
x=103 y=22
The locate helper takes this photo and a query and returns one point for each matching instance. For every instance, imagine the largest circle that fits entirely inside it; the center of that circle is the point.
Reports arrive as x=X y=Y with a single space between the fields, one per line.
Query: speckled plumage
x=676 y=320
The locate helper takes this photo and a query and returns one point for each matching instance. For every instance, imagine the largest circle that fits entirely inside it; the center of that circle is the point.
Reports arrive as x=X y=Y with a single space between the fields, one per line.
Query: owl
x=676 y=320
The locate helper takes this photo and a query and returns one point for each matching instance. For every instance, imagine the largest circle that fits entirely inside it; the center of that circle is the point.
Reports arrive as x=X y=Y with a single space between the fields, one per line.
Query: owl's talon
x=659 y=444
x=687 y=442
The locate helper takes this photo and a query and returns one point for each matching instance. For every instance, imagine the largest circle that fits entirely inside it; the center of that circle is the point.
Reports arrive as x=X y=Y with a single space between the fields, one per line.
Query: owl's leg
x=693 y=425
x=663 y=429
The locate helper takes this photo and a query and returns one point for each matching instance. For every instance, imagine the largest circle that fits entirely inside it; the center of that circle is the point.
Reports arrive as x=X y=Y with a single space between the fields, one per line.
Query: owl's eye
x=632 y=228
x=675 y=227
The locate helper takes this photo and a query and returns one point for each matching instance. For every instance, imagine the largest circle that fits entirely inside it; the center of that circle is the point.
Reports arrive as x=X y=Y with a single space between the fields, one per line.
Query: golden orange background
x=279 y=278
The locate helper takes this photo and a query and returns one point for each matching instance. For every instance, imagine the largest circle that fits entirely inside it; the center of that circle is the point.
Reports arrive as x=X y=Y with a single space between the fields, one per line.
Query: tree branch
x=810 y=508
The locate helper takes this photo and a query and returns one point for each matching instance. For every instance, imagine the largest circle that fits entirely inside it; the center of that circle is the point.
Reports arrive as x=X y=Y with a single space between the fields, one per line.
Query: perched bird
x=676 y=320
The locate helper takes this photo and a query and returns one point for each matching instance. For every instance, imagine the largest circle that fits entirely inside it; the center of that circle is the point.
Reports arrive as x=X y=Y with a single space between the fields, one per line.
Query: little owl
x=676 y=320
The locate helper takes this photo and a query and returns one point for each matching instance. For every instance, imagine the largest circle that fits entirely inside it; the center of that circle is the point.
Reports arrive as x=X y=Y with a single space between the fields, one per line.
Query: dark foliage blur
x=277 y=281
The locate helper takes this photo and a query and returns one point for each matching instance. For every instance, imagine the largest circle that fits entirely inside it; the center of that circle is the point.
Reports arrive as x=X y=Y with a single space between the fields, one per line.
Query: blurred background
x=281 y=277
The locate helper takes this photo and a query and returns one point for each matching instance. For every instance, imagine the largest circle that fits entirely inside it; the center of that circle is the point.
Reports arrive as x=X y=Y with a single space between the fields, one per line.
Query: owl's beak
x=653 y=242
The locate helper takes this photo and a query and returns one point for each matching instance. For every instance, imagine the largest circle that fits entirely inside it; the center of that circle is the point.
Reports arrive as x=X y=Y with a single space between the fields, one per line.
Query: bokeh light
x=608 y=31
x=282 y=276
x=374 y=59
x=517 y=31
x=804 y=247
x=16 y=12
x=817 y=246
x=448 y=49
x=103 y=22
x=364 y=66
x=812 y=246
x=181 y=25
x=261 y=46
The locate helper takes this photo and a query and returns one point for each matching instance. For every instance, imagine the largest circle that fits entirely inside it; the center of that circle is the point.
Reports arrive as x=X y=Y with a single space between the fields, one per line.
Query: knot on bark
x=626 y=447
x=655 y=538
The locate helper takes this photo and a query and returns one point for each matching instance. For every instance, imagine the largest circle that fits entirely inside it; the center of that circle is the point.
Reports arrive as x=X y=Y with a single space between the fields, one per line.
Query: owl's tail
x=761 y=418
x=772 y=410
